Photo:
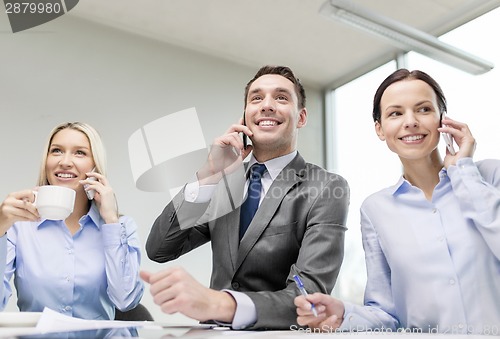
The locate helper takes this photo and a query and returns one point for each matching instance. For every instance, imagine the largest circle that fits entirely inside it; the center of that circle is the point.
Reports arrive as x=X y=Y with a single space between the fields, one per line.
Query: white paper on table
x=52 y=321
x=14 y=332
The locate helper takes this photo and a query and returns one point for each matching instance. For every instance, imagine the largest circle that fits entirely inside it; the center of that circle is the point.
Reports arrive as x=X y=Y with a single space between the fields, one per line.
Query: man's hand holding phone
x=247 y=148
x=226 y=154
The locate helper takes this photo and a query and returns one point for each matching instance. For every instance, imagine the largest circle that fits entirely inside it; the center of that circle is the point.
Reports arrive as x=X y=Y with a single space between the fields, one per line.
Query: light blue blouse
x=433 y=266
x=85 y=275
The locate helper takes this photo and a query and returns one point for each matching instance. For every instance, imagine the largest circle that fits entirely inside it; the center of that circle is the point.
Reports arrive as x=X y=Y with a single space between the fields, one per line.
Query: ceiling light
x=404 y=36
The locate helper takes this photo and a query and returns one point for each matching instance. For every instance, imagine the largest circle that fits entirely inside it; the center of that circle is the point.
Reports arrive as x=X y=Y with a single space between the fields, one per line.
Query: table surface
x=156 y=330
x=51 y=324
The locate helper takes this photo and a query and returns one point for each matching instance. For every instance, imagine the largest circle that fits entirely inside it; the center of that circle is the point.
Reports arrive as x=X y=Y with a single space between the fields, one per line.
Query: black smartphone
x=245 y=141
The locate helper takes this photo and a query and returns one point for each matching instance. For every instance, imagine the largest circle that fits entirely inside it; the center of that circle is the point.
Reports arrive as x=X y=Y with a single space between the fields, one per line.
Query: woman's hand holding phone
x=103 y=195
x=459 y=133
x=448 y=139
x=90 y=193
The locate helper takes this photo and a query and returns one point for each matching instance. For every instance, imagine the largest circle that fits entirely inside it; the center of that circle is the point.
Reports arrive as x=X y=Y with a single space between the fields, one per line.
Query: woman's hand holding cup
x=18 y=206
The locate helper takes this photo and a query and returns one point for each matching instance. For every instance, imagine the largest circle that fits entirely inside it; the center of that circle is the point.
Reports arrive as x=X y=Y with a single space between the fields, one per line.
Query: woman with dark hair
x=431 y=241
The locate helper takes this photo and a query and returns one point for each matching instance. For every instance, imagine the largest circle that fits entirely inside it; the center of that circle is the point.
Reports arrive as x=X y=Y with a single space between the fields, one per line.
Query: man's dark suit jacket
x=298 y=229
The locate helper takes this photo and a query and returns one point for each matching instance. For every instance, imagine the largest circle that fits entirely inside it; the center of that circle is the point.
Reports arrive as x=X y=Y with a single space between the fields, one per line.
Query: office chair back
x=139 y=313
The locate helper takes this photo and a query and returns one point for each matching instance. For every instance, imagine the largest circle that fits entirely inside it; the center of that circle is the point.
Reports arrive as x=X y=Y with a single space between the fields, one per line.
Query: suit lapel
x=231 y=221
x=287 y=179
x=231 y=229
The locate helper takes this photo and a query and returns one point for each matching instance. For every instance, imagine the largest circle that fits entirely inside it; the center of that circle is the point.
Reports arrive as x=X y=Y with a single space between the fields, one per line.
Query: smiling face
x=409 y=119
x=272 y=114
x=68 y=159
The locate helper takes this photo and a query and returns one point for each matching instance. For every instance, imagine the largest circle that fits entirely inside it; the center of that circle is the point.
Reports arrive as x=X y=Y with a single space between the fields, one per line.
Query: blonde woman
x=83 y=266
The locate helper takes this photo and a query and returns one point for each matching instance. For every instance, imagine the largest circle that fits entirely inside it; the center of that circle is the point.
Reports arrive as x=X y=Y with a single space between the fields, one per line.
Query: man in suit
x=298 y=228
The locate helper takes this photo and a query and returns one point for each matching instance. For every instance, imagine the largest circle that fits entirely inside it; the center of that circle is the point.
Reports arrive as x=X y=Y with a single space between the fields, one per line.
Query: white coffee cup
x=54 y=202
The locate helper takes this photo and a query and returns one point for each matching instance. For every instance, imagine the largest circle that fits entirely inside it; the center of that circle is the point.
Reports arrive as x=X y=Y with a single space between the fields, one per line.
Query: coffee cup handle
x=35 y=193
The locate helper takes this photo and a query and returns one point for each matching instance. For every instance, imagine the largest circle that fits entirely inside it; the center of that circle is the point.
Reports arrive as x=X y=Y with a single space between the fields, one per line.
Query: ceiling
x=321 y=51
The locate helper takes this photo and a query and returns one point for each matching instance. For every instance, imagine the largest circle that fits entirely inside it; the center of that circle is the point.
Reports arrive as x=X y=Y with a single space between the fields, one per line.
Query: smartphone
x=90 y=193
x=448 y=139
x=245 y=140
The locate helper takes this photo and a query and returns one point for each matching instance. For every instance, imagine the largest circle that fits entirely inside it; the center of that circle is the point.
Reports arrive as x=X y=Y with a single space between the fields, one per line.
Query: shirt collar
x=92 y=216
x=404 y=185
x=401 y=186
x=274 y=166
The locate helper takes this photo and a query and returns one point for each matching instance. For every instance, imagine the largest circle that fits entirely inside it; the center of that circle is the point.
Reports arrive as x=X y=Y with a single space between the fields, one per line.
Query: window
x=367 y=163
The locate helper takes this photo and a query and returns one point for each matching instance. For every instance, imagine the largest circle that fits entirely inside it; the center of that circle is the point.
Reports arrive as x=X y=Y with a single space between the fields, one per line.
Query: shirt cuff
x=193 y=192
x=346 y=325
x=3 y=252
x=462 y=164
x=246 y=313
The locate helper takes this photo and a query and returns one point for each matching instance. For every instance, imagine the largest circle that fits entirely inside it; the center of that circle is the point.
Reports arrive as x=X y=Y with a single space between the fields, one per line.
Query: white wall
x=72 y=70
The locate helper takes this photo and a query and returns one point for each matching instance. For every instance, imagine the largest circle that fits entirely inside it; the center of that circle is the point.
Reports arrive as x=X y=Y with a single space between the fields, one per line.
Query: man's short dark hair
x=284 y=72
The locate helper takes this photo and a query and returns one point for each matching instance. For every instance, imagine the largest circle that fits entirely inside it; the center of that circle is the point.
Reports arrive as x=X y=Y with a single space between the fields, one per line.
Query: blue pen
x=302 y=290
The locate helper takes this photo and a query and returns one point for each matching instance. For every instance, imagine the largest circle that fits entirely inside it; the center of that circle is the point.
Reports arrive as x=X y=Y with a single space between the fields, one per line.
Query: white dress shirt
x=83 y=275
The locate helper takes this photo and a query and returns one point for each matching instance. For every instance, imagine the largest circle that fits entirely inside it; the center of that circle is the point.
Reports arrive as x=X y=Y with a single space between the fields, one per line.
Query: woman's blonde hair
x=96 y=147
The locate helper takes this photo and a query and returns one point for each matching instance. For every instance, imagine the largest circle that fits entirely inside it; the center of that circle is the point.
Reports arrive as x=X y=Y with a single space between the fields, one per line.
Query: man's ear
x=379 y=131
x=302 y=121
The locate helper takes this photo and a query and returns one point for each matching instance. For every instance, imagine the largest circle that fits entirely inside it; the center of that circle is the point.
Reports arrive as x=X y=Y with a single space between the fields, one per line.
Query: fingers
x=100 y=178
x=330 y=311
x=145 y=276
x=25 y=195
x=463 y=138
x=229 y=139
x=233 y=136
x=165 y=279
x=306 y=318
x=304 y=310
x=226 y=154
x=321 y=322
x=99 y=183
x=18 y=206
x=246 y=151
x=301 y=302
x=452 y=123
x=315 y=298
x=21 y=204
x=104 y=196
x=239 y=128
x=455 y=128
x=175 y=290
x=95 y=181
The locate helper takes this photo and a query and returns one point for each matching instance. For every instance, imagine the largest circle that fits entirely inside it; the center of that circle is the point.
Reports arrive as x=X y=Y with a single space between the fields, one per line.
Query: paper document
x=52 y=321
